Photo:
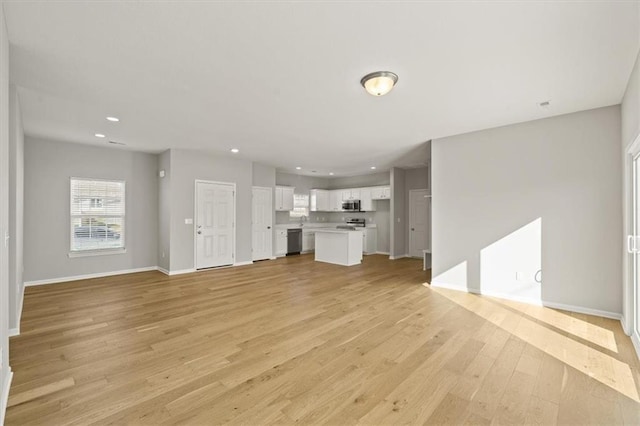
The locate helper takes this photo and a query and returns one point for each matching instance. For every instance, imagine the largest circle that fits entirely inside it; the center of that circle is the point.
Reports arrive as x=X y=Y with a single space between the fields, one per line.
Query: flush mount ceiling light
x=379 y=83
x=113 y=119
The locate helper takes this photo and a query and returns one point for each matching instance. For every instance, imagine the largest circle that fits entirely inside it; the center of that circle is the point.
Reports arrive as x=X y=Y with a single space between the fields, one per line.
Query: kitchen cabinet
x=308 y=241
x=381 y=193
x=350 y=194
x=281 y=242
x=284 y=198
x=366 y=202
x=319 y=200
x=369 y=240
x=335 y=201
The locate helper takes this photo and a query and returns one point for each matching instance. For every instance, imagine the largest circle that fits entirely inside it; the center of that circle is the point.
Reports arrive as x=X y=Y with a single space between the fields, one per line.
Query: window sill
x=103 y=252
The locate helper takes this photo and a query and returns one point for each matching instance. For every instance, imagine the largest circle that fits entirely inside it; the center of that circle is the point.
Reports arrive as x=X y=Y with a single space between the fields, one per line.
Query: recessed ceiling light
x=379 y=83
x=373 y=167
x=298 y=168
x=330 y=173
x=99 y=135
x=113 y=119
x=235 y=150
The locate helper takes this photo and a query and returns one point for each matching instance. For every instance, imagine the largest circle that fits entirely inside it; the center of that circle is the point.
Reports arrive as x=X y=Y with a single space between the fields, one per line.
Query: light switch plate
x=188 y=221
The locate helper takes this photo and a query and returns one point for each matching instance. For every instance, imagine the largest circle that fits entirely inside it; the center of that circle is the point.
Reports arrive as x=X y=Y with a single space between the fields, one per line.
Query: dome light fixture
x=379 y=83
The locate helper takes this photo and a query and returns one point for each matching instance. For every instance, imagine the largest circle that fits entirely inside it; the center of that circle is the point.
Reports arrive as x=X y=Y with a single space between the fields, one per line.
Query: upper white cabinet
x=350 y=194
x=381 y=193
x=320 y=200
x=284 y=198
x=335 y=201
x=366 y=201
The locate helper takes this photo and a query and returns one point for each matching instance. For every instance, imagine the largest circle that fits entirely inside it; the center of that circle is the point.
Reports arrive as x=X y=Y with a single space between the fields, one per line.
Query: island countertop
x=336 y=231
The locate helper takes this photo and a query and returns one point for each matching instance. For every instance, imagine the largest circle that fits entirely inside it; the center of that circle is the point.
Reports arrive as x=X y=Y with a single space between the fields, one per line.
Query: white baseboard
x=553 y=305
x=181 y=271
x=386 y=253
x=636 y=343
x=164 y=271
x=248 y=262
x=5 y=395
x=623 y=322
x=14 y=332
x=89 y=276
x=581 y=310
x=398 y=257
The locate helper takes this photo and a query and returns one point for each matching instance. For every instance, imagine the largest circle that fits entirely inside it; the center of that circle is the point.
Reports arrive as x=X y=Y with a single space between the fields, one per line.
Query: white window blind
x=300 y=206
x=97 y=214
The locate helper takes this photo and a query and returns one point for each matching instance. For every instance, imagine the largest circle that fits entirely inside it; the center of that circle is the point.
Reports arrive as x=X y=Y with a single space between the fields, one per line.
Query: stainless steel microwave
x=351 y=206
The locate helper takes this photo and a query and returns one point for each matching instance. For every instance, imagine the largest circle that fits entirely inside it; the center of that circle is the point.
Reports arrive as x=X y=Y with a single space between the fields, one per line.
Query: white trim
x=182 y=272
x=19 y=309
x=636 y=343
x=552 y=305
x=628 y=292
x=5 y=395
x=14 y=332
x=101 y=252
x=386 y=253
x=164 y=271
x=195 y=218
x=89 y=276
x=581 y=310
x=398 y=257
x=248 y=262
x=623 y=322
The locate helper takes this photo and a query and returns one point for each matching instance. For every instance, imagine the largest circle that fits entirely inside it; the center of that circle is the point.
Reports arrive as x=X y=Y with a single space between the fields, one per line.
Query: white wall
x=16 y=204
x=48 y=167
x=5 y=371
x=186 y=167
x=563 y=170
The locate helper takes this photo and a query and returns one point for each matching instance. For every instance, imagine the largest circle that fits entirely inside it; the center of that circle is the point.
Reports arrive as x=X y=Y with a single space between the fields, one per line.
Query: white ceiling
x=280 y=80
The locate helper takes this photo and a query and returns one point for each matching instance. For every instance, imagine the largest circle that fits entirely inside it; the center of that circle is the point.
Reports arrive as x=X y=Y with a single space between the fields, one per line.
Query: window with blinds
x=300 y=206
x=97 y=214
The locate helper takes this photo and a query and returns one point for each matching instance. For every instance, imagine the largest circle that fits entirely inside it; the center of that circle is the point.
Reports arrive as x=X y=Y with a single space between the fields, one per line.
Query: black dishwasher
x=294 y=241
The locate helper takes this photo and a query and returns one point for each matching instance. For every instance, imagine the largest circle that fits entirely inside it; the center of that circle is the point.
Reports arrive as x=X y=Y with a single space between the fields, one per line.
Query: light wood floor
x=295 y=341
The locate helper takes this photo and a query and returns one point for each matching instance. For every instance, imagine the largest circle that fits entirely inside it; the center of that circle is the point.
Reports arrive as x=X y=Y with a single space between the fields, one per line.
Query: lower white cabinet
x=369 y=240
x=281 y=242
x=308 y=241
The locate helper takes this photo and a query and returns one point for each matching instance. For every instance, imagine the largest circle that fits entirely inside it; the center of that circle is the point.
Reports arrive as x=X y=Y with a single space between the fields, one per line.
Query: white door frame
x=629 y=296
x=271 y=190
x=195 y=219
x=409 y=221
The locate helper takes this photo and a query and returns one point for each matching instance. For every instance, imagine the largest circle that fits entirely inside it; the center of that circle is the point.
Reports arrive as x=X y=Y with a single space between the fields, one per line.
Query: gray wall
x=16 y=204
x=48 y=167
x=4 y=207
x=372 y=179
x=564 y=171
x=416 y=178
x=398 y=212
x=302 y=184
x=164 y=211
x=186 y=167
x=630 y=130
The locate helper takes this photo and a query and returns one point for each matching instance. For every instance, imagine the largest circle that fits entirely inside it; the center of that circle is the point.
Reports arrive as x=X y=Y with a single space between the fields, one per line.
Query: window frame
x=99 y=251
x=308 y=208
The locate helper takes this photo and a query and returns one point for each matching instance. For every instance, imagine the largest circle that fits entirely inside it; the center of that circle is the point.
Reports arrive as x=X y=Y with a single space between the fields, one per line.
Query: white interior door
x=215 y=224
x=262 y=216
x=418 y=222
x=633 y=244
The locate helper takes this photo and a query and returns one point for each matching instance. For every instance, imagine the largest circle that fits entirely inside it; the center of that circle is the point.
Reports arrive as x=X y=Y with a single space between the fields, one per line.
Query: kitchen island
x=339 y=246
